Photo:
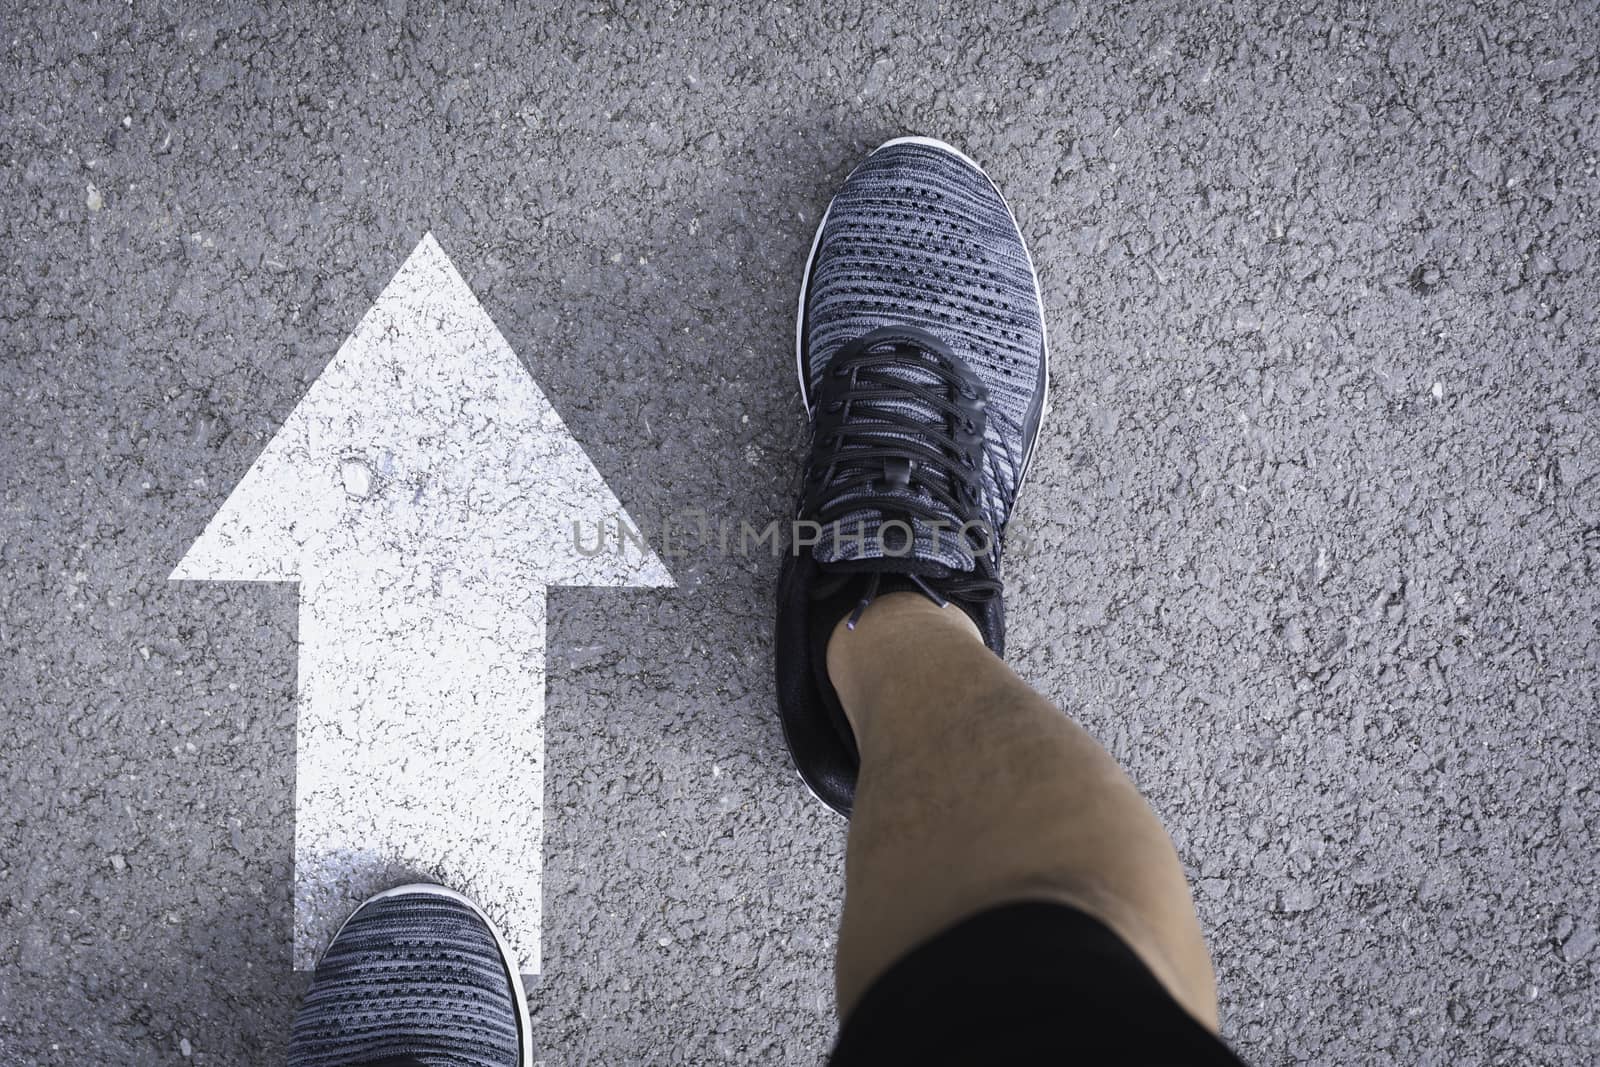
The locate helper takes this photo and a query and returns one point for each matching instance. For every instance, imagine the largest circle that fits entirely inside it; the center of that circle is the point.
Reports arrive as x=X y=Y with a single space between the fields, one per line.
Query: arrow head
x=425 y=438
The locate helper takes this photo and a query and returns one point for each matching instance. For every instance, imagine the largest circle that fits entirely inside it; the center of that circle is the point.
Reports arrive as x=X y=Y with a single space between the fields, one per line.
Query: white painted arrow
x=423 y=494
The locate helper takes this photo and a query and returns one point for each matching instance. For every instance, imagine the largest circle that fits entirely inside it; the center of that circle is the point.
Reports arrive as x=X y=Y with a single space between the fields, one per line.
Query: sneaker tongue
x=884 y=546
x=876 y=532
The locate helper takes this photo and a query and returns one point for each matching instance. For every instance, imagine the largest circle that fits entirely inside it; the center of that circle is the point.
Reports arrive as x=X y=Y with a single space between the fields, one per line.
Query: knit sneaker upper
x=923 y=362
x=418 y=975
x=920 y=252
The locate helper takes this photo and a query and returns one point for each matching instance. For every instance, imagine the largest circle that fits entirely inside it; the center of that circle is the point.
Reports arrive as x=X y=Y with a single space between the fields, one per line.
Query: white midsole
x=1038 y=295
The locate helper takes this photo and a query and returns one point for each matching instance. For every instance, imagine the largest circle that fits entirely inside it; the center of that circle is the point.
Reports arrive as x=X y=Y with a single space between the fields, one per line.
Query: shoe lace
x=903 y=433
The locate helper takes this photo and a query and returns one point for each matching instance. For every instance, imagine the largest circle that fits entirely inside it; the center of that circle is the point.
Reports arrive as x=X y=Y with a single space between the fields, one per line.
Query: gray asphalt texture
x=1313 y=534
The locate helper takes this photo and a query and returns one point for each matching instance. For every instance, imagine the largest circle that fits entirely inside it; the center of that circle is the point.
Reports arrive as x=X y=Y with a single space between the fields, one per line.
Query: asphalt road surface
x=1314 y=533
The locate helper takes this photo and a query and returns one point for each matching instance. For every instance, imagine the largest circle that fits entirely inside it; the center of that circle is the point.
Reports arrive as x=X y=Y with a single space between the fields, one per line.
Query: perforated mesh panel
x=918 y=237
x=409 y=975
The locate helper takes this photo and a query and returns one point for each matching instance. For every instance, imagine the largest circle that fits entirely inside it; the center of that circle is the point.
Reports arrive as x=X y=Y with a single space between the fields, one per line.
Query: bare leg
x=974 y=792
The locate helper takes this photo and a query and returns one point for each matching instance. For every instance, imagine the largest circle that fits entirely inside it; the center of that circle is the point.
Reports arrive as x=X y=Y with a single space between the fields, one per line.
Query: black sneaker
x=923 y=362
x=417 y=977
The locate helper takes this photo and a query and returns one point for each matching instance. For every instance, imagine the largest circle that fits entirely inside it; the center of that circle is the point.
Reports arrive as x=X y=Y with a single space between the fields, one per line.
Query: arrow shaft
x=420 y=744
